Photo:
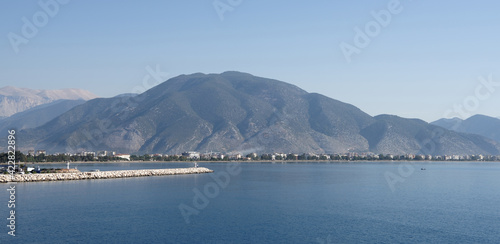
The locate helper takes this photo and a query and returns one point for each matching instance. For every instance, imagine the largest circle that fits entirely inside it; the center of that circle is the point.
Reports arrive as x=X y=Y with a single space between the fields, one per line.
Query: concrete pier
x=101 y=175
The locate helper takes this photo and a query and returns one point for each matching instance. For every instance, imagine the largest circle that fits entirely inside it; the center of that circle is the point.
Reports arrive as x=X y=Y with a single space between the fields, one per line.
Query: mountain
x=396 y=135
x=38 y=115
x=127 y=95
x=238 y=112
x=14 y=100
x=478 y=124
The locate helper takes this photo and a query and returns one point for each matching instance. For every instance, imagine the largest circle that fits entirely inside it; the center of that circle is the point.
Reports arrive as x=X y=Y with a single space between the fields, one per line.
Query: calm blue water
x=265 y=203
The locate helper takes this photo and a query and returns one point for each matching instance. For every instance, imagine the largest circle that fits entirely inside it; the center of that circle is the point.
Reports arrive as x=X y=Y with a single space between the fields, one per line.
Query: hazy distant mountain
x=450 y=124
x=238 y=112
x=395 y=135
x=14 y=100
x=38 y=115
x=478 y=124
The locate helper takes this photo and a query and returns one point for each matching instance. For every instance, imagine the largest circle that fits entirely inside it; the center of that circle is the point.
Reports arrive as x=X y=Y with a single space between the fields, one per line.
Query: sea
x=264 y=202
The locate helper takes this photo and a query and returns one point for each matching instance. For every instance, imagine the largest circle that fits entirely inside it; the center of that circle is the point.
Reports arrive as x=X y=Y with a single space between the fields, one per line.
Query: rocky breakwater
x=101 y=175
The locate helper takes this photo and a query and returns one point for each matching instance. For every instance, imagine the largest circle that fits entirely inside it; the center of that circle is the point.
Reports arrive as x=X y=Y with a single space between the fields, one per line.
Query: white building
x=124 y=156
x=191 y=155
x=39 y=152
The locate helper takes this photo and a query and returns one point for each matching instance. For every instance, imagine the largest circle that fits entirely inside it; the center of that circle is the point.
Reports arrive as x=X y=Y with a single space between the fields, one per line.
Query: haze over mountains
x=478 y=124
x=14 y=100
x=238 y=112
x=38 y=115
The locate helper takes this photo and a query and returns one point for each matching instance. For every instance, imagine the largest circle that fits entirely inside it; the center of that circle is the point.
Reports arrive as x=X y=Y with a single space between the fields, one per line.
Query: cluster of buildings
x=371 y=156
x=237 y=156
x=192 y=155
x=37 y=152
x=345 y=156
x=95 y=155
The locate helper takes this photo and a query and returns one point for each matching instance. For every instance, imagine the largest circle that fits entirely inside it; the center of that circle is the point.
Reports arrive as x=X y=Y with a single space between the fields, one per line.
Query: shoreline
x=100 y=175
x=262 y=161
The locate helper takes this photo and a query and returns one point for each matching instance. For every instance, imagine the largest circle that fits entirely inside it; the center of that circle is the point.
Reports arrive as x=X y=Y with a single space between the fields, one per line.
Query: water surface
x=265 y=203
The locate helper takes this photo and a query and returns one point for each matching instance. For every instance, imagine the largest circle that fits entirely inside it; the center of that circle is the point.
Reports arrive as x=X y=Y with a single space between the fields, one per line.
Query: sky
x=412 y=58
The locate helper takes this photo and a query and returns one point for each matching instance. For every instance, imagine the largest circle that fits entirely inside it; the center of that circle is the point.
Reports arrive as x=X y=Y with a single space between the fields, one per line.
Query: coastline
x=100 y=175
x=263 y=161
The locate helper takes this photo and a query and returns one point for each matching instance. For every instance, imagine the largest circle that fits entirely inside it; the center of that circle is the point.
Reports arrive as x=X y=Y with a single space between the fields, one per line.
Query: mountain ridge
x=239 y=112
x=37 y=116
x=477 y=124
x=14 y=100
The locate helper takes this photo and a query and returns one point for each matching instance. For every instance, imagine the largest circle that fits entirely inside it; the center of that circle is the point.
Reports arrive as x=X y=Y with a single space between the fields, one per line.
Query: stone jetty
x=101 y=174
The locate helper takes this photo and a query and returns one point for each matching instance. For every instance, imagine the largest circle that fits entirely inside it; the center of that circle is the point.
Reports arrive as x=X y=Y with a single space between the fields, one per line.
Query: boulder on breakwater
x=100 y=175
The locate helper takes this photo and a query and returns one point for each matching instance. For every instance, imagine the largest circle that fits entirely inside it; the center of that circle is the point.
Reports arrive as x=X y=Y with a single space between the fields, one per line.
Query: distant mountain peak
x=14 y=99
x=477 y=124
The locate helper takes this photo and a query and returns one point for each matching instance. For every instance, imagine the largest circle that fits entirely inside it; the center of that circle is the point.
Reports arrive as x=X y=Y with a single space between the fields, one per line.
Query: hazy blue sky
x=421 y=63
